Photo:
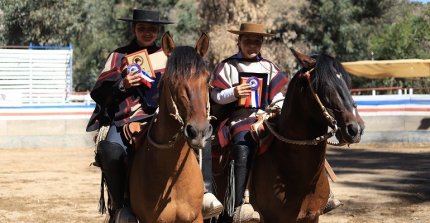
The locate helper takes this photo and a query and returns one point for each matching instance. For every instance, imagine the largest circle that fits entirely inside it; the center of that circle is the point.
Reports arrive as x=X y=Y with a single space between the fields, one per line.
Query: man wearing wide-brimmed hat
x=244 y=84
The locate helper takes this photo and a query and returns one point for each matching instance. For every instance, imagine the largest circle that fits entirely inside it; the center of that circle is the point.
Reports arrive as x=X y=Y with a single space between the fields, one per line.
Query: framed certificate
x=141 y=58
x=258 y=83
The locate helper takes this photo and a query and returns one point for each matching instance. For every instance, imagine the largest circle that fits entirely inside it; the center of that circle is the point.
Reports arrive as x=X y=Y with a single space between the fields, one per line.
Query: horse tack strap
x=167 y=145
x=310 y=142
x=330 y=171
x=327 y=115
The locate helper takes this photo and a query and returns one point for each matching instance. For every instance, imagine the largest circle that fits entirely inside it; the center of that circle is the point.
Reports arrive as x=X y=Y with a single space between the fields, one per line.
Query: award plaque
x=258 y=84
x=141 y=58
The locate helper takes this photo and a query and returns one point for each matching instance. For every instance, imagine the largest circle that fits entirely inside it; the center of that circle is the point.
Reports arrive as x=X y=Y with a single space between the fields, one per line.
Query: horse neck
x=167 y=125
x=297 y=123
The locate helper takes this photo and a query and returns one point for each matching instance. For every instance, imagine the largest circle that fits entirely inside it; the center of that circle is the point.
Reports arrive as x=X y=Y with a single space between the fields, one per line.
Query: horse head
x=186 y=80
x=330 y=86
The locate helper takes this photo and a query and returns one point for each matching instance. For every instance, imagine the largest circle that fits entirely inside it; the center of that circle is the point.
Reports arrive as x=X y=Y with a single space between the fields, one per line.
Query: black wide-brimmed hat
x=146 y=16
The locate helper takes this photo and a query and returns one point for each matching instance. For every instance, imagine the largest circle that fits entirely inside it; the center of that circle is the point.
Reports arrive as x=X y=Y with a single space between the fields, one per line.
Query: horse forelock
x=183 y=64
x=329 y=73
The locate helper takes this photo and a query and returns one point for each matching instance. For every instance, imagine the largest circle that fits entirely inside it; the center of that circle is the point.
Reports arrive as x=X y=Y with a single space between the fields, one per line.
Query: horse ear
x=305 y=60
x=167 y=44
x=202 y=45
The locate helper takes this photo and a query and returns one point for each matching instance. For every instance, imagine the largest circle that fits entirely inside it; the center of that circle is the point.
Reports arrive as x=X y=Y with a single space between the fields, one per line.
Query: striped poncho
x=226 y=76
x=113 y=103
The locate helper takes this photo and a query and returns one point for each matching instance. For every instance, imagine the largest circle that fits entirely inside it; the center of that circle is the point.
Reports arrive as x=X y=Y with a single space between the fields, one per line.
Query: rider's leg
x=212 y=207
x=243 y=152
x=241 y=156
x=111 y=154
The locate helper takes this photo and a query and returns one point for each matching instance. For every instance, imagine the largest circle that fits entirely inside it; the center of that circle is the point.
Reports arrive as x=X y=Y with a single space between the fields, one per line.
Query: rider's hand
x=242 y=90
x=132 y=80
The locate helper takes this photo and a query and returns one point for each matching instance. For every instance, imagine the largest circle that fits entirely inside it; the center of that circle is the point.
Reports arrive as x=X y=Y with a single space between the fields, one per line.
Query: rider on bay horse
x=123 y=97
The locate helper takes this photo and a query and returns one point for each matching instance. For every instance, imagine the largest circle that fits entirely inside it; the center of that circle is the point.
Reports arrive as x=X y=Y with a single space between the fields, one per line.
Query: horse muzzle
x=197 y=135
x=350 y=133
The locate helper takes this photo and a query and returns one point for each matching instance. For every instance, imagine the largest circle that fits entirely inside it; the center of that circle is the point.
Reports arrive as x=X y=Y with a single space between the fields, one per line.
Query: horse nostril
x=352 y=129
x=190 y=132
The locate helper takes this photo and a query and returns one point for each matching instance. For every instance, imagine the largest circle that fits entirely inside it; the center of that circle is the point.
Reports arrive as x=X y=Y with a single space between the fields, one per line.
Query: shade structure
x=375 y=69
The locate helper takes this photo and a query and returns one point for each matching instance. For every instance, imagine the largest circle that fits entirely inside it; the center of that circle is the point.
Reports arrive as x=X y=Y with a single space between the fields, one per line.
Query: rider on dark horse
x=244 y=85
x=123 y=97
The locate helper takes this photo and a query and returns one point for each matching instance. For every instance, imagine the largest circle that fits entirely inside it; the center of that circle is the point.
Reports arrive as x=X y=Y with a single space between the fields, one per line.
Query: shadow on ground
x=408 y=178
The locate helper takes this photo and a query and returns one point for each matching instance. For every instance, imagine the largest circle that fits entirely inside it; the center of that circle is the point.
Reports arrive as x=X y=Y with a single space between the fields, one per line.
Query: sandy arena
x=388 y=184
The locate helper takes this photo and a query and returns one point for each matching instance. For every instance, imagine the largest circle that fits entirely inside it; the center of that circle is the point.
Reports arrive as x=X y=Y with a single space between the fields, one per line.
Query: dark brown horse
x=166 y=183
x=289 y=182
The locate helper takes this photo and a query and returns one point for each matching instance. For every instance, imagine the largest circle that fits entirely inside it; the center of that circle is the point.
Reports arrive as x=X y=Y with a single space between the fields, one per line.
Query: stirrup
x=125 y=215
x=211 y=207
x=246 y=214
x=332 y=204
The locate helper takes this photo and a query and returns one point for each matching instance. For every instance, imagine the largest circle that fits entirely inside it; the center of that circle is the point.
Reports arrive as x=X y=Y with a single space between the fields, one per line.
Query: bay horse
x=289 y=181
x=166 y=183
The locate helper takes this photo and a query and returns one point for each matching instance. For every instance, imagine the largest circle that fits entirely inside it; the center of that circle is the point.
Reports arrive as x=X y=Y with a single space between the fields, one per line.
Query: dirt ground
x=375 y=183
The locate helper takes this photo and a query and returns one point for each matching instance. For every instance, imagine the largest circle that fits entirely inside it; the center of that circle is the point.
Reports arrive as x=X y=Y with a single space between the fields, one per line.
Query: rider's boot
x=212 y=207
x=244 y=212
x=332 y=203
x=111 y=156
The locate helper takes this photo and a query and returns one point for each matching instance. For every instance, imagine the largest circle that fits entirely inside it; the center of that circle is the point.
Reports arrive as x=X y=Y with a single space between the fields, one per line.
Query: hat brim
x=253 y=33
x=147 y=21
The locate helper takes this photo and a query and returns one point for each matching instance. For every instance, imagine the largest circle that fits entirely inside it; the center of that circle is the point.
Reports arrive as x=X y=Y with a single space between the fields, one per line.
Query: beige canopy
x=375 y=69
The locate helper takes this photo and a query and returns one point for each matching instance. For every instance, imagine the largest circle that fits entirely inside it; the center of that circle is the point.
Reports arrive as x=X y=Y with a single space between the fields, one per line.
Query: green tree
x=91 y=27
x=407 y=38
x=341 y=27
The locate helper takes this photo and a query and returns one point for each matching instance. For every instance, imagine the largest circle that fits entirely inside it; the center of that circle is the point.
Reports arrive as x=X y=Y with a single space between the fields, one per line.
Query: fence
x=35 y=75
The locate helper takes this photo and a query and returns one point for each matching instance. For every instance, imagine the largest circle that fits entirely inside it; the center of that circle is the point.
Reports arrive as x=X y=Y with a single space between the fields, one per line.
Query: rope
x=229 y=198
x=315 y=141
x=167 y=145
x=318 y=139
x=101 y=135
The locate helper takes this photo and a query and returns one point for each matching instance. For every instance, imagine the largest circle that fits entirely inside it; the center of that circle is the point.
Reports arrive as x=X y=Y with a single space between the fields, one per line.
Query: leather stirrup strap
x=330 y=171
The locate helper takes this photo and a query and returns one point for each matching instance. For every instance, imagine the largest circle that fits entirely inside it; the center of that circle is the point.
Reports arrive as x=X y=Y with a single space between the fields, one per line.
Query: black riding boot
x=212 y=207
x=242 y=159
x=111 y=157
x=244 y=213
x=207 y=168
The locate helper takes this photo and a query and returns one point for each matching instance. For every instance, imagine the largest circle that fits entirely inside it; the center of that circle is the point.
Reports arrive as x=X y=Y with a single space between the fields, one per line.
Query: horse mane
x=324 y=77
x=184 y=63
x=325 y=74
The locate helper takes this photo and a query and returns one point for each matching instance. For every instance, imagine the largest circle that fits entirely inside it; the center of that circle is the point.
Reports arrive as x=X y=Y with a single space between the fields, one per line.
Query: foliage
x=341 y=27
x=347 y=29
x=188 y=23
x=408 y=37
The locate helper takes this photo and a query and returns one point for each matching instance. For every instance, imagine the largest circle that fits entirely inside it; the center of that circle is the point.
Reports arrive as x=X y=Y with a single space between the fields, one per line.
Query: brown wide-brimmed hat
x=251 y=28
x=148 y=16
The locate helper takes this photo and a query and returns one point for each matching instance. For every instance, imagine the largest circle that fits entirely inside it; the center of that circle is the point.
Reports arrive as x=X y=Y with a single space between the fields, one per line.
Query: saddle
x=134 y=132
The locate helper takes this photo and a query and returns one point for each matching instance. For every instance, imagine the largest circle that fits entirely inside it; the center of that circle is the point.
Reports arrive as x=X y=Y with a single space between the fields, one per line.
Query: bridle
x=175 y=114
x=332 y=121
